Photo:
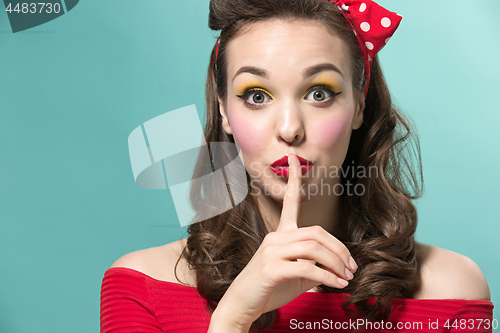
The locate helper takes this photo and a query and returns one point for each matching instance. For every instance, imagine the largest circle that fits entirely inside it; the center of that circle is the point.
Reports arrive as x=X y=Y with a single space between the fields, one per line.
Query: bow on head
x=372 y=24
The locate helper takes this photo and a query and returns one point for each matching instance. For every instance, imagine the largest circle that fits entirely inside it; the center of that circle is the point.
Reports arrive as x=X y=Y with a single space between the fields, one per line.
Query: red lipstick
x=280 y=167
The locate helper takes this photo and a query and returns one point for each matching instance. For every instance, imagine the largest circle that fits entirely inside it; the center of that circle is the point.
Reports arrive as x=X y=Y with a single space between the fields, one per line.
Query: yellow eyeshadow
x=246 y=85
x=322 y=79
x=327 y=80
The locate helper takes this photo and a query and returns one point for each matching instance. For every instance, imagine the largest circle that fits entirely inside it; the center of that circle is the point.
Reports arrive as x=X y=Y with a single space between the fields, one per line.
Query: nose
x=290 y=126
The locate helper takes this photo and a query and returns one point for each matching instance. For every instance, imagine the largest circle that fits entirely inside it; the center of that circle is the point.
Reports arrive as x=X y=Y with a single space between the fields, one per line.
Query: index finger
x=291 y=201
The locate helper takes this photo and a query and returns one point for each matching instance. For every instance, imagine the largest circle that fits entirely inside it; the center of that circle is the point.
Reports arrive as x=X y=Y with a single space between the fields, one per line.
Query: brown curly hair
x=381 y=222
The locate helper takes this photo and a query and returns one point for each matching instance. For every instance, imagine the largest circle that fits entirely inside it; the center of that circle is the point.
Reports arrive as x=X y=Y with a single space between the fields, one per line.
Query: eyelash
x=251 y=91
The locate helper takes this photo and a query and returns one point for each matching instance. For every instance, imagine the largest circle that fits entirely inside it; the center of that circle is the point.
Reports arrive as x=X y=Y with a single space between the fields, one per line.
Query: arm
x=222 y=321
x=470 y=284
x=449 y=275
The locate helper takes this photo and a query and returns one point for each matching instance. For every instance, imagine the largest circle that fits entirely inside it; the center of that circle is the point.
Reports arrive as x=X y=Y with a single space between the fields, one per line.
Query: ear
x=358 y=115
x=225 y=119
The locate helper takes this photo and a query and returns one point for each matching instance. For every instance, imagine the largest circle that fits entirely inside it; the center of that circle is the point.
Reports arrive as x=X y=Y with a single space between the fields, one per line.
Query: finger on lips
x=291 y=201
x=334 y=253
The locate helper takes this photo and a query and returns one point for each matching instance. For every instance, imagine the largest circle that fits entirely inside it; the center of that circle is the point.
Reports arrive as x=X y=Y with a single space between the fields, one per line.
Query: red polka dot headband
x=372 y=24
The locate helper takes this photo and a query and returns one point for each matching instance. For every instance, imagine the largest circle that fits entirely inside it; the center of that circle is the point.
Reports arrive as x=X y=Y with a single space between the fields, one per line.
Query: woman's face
x=289 y=89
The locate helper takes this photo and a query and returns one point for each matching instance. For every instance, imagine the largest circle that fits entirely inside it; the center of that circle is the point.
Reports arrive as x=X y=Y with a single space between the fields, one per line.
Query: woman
x=326 y=236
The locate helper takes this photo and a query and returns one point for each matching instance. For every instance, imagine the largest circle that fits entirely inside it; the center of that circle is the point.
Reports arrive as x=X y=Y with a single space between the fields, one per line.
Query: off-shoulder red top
x=132 y=301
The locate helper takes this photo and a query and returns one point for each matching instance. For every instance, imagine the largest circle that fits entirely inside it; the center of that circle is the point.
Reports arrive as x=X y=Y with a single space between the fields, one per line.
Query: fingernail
x=342 y=282
x=289 y=159
x=349 y=274
x=353 y=264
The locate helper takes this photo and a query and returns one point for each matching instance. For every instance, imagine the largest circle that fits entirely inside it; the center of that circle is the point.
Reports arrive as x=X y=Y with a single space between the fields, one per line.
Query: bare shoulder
x=449 y=275
x=159 y=263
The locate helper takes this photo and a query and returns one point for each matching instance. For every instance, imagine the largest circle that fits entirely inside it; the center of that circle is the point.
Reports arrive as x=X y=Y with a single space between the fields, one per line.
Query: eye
x=254 y=97
x=321 y=94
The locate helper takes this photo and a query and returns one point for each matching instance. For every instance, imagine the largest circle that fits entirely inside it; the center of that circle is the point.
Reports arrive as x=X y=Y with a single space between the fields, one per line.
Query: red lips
x=280 y=167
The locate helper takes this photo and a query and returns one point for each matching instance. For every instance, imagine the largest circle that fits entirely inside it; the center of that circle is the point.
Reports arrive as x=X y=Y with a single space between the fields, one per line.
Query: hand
x=284 y=265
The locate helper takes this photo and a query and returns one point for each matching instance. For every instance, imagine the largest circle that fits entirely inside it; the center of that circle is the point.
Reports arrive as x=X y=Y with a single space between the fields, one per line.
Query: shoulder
x=449 y=275
x=159 y=262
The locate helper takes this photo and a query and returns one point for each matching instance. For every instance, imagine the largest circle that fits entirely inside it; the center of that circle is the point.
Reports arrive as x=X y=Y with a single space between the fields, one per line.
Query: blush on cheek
x=248 y=135
x=333 y=131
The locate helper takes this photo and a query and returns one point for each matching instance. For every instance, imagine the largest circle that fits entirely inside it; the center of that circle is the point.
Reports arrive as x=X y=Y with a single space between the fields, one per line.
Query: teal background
x=73 y=89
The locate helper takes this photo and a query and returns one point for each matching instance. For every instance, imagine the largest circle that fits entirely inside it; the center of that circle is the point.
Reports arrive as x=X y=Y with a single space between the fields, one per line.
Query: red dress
x=135 y=302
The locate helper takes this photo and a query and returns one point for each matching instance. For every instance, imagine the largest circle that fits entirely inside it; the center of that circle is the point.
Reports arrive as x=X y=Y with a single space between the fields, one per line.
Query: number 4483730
x=471 y=324
x=46 y=7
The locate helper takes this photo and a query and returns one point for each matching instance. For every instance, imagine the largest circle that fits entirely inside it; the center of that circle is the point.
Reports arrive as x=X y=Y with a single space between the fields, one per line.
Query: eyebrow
x=306 y=73
x=321 y=67
x=252 y=70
